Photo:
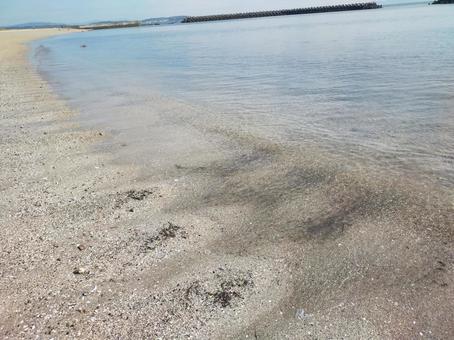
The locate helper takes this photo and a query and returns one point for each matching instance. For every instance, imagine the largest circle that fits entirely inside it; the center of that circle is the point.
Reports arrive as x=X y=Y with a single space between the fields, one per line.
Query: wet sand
x=249 y=240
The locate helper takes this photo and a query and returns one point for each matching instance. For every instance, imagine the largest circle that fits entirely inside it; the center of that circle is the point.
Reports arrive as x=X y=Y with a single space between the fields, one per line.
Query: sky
x=83 y=11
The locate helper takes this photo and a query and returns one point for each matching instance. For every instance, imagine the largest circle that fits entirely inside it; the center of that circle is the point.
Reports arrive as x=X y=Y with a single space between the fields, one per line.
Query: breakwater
x=295 y=11
x=443 y=2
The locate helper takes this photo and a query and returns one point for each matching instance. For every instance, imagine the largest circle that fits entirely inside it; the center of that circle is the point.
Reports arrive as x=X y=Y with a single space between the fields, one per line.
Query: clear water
x=372 y=86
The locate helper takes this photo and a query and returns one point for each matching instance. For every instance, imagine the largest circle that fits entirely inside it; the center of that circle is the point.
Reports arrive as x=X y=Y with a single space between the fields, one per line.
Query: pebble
x=80 y=271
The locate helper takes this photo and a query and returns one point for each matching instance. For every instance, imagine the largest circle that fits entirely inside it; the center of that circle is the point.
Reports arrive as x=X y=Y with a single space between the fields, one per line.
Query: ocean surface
x=371 y=87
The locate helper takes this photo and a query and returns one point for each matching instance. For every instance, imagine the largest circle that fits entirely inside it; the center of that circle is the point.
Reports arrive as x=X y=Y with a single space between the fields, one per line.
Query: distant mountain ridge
x=36 y=25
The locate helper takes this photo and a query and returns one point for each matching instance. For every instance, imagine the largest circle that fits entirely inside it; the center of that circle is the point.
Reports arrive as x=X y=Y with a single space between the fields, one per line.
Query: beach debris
x=121 y=198
x=229 y=290
x=441 y=265
x=219 y=291
x=80 y=271
x=138 y=195
x=168 y=231
x=301 y=314
x=225 y=297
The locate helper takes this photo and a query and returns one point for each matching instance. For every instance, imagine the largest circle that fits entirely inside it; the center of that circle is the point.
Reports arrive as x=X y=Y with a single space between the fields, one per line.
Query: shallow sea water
x=372 y=87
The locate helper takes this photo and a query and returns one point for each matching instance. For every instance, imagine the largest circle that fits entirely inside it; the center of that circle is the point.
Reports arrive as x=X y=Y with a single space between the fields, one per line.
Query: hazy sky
x=79 y=11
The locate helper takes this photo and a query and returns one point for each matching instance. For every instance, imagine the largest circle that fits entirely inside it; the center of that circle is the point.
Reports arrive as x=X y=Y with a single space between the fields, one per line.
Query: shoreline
x=261 y=242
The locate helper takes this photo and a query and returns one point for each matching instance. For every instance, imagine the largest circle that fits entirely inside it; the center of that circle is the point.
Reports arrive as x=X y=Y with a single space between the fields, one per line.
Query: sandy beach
x=254 y=240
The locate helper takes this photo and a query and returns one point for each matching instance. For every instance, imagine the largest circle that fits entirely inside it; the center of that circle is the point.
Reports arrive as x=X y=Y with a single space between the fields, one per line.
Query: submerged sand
x=253 y=240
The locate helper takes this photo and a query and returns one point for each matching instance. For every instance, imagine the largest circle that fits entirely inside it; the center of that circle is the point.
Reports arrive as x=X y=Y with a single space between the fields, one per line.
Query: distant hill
x=103 y=24
x=37 y=25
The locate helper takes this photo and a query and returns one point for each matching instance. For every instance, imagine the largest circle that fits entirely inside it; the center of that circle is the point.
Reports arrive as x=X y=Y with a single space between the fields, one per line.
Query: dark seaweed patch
x=168 y=231
x=227 y=291
x=138 y=195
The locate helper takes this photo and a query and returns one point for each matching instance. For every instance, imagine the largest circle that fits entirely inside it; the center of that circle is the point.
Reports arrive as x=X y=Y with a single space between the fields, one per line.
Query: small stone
x=81 y=271
x=80 y=247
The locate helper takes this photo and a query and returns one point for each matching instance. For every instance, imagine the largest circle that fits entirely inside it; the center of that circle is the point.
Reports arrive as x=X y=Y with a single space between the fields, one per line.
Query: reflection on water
x=375 y=86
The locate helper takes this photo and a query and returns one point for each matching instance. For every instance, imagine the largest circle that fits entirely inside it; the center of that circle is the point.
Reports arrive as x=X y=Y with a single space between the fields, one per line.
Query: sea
x=372 y=88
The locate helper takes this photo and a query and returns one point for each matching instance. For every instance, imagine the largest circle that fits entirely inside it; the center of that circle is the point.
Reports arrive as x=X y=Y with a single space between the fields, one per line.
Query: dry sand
x=263 y=242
